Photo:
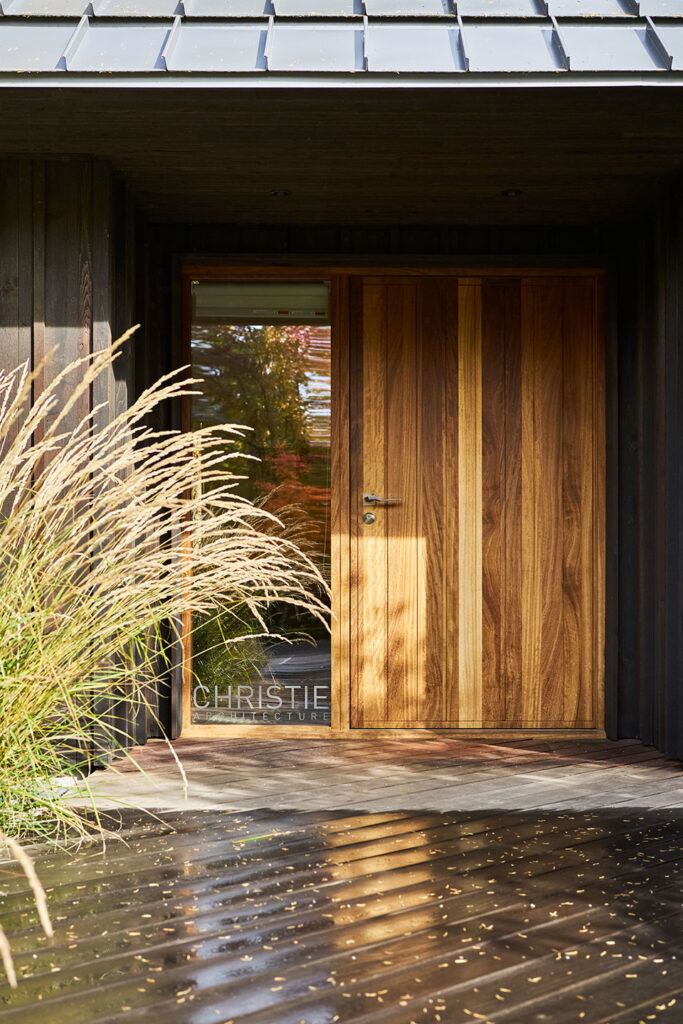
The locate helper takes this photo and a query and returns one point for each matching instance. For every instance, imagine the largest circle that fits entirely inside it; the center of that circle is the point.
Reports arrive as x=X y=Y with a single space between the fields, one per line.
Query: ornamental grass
x=110 y=534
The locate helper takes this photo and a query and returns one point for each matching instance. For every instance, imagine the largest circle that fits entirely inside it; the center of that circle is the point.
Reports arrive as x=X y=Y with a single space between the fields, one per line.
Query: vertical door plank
x=493 y=455
x=511 y=624
x=431 y=501
x=577 y=498
x=339 y=504
x=549 y=455
x=599 y=427
x=469 y=503
x=451 y=556
x=371 y=584
x=532 y=623
x=401 y=521
x=543 y=675
x=356 y=628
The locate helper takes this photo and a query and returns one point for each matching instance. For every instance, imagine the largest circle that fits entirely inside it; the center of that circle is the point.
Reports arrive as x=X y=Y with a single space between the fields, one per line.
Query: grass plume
x=91 y=570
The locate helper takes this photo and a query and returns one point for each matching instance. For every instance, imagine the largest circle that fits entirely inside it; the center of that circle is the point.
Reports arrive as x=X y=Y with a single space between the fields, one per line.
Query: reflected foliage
x=274 y=379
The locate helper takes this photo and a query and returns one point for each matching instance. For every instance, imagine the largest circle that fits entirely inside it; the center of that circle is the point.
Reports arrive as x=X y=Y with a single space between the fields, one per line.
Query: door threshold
x=318 y=732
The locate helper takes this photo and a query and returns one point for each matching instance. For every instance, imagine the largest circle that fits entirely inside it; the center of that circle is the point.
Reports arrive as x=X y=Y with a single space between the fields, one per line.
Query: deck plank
x=367 y=883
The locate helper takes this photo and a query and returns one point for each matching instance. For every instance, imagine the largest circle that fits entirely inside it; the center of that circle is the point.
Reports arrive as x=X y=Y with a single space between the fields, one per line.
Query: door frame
x=342 y=310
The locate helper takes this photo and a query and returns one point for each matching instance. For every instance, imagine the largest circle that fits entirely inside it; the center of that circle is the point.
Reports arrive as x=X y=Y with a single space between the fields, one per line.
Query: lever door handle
x=372 y=499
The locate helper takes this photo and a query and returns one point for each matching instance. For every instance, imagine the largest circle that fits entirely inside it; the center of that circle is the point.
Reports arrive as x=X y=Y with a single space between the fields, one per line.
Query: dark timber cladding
x=66 y=287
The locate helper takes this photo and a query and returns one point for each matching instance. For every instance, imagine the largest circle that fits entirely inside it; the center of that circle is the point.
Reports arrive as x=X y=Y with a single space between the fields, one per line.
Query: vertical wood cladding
x=515 y=579
x=66 y=247
x=66 y=287
x=646 y=698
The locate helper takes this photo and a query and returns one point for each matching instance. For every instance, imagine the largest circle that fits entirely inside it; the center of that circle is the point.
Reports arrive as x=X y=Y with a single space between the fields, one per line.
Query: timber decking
x=381 y=775
x=343 y=894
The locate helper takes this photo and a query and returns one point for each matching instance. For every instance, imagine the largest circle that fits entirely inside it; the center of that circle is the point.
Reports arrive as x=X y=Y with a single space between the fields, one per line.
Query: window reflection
x=262 y=352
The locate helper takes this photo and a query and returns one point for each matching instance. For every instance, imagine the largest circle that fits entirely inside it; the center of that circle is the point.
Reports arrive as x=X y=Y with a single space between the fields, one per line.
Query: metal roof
x=366 y=38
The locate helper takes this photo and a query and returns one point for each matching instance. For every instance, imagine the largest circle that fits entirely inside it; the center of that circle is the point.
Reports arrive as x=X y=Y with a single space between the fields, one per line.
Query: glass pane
x=262 y=351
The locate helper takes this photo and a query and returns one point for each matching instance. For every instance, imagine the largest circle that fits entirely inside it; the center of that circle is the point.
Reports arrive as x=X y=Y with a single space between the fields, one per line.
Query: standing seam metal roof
x=443 y=37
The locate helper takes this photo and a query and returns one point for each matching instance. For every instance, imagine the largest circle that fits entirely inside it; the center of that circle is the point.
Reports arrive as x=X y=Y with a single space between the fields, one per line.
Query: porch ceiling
x=368 y=155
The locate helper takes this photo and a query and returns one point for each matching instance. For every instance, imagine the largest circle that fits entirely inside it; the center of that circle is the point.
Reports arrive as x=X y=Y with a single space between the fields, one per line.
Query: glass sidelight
x=262 y=351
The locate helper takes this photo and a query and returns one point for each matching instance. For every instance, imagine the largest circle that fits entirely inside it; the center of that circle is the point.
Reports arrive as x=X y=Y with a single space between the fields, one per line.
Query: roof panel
x=108 y=46
x=662 y=8
x=511 y=47
x=34 y=45
x=316 y=46
x=606 y=47
x=592 y=8
x=46 y=8
x=501 y=8
x=228 y=46
x=672 y=37
x=412 y=36
x=318 y=8
x=414 y=8
x=227 y=8
x=135 y=8
x=416 y=46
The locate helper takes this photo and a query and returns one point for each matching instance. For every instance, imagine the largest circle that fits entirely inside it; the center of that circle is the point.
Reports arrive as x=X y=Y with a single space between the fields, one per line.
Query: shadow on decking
x=272 y=917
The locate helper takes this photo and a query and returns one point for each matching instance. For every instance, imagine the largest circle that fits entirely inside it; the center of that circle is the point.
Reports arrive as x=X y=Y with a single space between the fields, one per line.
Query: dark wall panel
x=657 y=535
x=66 y=279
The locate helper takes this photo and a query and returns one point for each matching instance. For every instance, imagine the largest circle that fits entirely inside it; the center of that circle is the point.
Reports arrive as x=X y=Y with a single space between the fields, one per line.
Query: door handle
x=372 y=499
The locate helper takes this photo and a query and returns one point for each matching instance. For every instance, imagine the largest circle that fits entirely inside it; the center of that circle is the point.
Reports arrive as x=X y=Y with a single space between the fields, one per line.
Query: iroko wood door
x=477 y=601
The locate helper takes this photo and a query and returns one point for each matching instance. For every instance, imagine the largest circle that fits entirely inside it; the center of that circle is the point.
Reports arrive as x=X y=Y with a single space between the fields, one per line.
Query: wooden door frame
x=340 y=275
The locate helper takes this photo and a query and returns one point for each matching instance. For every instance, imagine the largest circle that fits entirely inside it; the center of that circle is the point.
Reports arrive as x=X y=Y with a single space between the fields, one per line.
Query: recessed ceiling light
x=281 y=193
x=511 y=193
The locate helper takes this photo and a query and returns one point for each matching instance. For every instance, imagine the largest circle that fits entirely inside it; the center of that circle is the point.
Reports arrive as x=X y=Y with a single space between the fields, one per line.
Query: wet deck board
x=382 y=915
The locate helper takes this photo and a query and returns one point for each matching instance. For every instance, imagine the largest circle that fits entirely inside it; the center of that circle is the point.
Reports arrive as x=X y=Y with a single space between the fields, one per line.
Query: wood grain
x=16 y=258
x=599 y=423
x=405 y=549
x=490 y=612
x=431 y=497
x=370 y=696
x=451 y=554
x=469 y=504
x=339 y=511
x=493 y=456
x=578 y=378
x=548 y=491
x=512 y=617
x=376 y=157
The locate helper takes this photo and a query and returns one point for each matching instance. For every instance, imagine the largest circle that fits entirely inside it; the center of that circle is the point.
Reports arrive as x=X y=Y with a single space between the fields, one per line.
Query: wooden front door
x=477 y=598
